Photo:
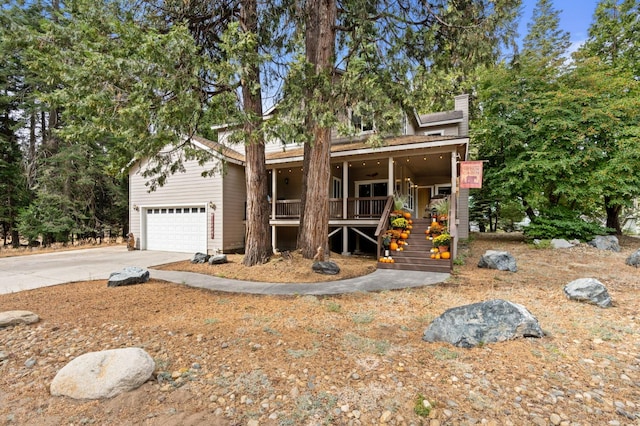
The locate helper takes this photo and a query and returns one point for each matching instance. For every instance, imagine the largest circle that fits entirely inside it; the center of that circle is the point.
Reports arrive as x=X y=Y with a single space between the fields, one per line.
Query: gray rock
x=218 y=259
x=104 y=374
x=11 y=318
x=200 y=258
x=484 y=322
x=634 y=259
x=326 y=268
x=606 y=242
x=558 y=243
x=500 y=260
x=588 y=290
x=128 y=276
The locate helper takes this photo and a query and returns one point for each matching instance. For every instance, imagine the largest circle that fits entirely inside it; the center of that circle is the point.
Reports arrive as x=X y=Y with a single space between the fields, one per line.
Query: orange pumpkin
x=404 y=235
x=393 y=246
x=407 y=215
x=445 y=255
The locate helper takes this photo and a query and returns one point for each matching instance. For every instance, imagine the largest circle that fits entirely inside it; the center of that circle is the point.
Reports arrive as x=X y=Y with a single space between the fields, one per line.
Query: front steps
x=416 y=255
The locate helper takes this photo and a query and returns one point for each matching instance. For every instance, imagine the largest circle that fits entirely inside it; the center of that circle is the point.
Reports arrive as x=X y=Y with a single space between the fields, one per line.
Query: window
x=362 y=124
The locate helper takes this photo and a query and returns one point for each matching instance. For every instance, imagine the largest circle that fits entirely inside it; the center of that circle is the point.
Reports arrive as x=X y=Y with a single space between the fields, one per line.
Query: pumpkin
x=433 y=255
x=404 y=235
x=407 y=215
x=438 y=256
x=445 y=255
x=393 y=246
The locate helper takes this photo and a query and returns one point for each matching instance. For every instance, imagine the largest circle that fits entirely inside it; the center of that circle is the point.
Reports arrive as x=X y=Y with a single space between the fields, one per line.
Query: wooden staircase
x=416 y=255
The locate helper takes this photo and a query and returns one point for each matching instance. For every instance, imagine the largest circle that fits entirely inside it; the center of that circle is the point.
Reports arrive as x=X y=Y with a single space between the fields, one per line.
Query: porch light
x=408 y=160
x=290 y=169
x=424 y=158
x=378 y=162
x=364 y=163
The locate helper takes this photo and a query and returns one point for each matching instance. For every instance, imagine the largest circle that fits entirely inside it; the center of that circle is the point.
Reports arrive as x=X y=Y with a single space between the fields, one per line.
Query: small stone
x=30 y=362
x=385 y=417
x=253 y=422
x=555 y=419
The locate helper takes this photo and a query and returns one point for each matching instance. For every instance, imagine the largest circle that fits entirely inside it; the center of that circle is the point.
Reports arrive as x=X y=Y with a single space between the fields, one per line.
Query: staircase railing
x=383 y=224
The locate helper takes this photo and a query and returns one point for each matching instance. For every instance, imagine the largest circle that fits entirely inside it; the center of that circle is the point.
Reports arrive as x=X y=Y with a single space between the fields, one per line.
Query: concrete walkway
x=381 y=279
x=40 y=270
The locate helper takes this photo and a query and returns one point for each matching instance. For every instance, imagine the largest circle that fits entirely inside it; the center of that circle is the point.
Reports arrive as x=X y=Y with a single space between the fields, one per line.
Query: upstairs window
x=361 y=124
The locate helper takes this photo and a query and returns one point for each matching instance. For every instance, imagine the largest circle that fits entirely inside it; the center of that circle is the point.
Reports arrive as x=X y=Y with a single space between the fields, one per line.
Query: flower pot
x=442 y=249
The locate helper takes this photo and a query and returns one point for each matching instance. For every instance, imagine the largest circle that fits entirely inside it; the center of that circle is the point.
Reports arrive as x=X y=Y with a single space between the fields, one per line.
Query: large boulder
x=11 y=318
x=588 y=290
x=200 y=258
x=104 y=374
x=559 y=243
x=326 y=268
x=128 y=276
x=634 y=259
x=606 y=242
x=500 y=260
x=218 y=259
x=484 y=322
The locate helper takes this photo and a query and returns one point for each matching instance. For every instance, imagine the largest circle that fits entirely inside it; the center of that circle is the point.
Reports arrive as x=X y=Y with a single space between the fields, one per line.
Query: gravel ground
x=224 y=359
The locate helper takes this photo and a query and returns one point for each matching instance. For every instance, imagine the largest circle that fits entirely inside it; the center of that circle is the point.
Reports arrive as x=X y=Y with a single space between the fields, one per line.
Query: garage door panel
x=178 y=229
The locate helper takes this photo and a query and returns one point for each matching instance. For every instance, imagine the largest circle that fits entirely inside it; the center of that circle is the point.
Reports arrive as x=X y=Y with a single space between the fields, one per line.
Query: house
x=191 y=213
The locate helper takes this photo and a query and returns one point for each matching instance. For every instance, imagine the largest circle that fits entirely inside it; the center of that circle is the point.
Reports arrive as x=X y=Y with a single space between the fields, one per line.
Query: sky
x=575 y=17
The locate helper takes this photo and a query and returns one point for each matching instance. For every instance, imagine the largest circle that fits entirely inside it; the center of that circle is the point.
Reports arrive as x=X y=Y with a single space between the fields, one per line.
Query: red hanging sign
x=471 y=174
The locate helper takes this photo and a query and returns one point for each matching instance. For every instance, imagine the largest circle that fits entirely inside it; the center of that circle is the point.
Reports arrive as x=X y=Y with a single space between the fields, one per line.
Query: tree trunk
x=613 y=216
x=257 y=236
x=320 y=52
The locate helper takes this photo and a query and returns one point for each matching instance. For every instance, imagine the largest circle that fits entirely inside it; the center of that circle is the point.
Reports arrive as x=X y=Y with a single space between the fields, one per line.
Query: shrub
x=560 y=223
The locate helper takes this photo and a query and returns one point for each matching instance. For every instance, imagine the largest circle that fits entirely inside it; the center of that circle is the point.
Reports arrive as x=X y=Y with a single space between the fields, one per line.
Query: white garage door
x=181 y=229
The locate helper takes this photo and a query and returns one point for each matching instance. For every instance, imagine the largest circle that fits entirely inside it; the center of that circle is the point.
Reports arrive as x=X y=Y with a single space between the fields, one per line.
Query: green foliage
x=421 y=408
x=561 y=223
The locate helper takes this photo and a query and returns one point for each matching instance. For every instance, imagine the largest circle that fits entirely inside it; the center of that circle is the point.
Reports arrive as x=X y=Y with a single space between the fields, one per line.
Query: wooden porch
x=339 y=208
x=372 y=211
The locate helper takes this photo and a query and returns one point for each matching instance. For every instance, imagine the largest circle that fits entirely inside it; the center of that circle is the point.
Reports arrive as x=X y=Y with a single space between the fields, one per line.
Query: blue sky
x=575 y=17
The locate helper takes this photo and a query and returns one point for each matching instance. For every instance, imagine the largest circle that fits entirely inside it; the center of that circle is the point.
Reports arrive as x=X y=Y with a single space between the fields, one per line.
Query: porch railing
x=357 y=208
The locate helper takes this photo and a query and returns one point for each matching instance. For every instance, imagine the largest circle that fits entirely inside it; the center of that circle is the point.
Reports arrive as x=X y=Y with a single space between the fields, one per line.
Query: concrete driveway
x=41 y=270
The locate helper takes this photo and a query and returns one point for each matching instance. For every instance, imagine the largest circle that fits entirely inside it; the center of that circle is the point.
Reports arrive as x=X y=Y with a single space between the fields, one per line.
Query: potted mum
x=442 y=241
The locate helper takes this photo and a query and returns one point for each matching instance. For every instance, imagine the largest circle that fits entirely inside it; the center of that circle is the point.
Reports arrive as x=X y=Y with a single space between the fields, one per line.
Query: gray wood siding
x=463 y=213
x=233 y=214
x=181 y=189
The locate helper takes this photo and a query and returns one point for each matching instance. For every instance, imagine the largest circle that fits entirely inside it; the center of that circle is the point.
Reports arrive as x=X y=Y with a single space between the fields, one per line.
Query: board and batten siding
x=181 y=189
x=232 y=219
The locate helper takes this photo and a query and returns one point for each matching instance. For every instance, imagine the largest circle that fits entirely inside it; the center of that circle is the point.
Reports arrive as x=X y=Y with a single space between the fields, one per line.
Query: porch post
x=390 y=185
x=274 y=197
x=345 y=189
x=453 y=205
x=345 y=206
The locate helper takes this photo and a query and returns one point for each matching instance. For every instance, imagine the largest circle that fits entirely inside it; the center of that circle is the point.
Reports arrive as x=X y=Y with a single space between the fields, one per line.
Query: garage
x=179 y=229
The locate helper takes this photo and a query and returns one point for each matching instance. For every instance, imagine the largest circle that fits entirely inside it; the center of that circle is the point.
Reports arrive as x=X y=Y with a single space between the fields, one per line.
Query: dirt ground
x=357 y=359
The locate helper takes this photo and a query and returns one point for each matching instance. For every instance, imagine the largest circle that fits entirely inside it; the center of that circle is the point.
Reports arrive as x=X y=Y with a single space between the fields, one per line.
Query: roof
x=398 y=141
x=220 y=148
x=439 y=117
